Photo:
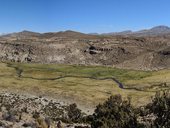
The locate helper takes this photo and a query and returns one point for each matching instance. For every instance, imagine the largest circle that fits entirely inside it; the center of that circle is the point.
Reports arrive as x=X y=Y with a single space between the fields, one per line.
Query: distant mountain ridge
x=119 y=33
x=158 y=30
x=155 y=31
x=24 y=33
x=61 y=34
x=130 y=51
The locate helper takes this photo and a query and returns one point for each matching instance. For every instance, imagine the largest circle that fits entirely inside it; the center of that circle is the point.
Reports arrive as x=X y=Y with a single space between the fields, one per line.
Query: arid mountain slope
x=69 y=47
x=155 y=31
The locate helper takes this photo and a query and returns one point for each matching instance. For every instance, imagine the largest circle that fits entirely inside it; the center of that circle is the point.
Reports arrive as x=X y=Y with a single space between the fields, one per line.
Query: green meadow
x=85 y=85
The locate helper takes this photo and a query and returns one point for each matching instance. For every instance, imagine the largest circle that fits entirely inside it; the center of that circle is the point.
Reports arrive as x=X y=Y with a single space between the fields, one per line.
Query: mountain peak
x=25 y=31
x=161 y=28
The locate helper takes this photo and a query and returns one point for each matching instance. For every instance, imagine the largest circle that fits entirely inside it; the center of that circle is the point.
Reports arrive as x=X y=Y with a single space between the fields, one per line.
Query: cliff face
x=146 y=53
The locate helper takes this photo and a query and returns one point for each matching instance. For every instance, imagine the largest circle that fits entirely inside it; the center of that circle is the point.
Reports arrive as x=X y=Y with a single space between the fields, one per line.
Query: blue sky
x=82 y=15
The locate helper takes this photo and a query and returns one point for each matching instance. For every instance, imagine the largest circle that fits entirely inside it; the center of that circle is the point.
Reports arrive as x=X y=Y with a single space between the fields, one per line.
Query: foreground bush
x=118 y=113
x=74 y=114
x=115 y=113
x=160 y=108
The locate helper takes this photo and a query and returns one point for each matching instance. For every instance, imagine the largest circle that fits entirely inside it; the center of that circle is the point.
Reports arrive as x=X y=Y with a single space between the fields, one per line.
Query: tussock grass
x=39 y=79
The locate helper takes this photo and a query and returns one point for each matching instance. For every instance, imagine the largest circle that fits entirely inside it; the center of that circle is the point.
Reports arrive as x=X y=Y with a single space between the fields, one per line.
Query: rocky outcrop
x=16 y=52
x=145 y=53
x=20 y=111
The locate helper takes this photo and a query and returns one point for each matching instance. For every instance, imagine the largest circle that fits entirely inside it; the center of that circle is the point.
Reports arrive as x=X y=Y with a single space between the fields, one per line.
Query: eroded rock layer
x=132 y=52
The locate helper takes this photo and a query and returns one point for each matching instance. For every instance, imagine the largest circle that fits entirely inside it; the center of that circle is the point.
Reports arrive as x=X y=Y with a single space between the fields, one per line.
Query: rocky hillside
x=69 y=47
x=23 y=111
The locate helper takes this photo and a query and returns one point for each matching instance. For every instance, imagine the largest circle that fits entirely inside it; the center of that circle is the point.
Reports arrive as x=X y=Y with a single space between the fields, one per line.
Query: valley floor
x=86 y=86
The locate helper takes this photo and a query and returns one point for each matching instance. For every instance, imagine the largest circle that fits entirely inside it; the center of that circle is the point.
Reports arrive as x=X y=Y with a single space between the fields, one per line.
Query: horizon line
x=74 y=30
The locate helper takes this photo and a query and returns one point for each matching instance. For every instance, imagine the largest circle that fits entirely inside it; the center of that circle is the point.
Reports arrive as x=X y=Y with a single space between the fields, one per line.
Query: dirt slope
x=69 y=47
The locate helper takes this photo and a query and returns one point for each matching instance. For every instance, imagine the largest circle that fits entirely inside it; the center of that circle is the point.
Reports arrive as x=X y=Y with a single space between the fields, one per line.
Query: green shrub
x=115 y=113
x=160 y=108
x=74 y=114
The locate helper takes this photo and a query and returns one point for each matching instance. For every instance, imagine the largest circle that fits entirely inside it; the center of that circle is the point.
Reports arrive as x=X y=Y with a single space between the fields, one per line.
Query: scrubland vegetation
x=130 y=106
x=85 y=85
x=115 y=112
